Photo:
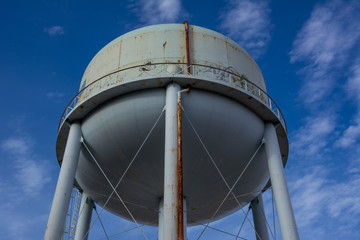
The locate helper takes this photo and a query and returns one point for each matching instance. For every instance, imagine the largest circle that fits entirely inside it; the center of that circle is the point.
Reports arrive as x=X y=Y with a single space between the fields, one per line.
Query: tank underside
x=115 y=130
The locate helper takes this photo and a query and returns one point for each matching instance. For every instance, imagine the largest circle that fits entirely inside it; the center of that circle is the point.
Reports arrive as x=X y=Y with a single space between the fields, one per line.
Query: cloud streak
x=248 y=23
x=54 y=31
x=54 y=95
x=324 y=44
x=31 y=175
x=351 y=134
x=316 y=196
x=152 y=12
x=312 y=137
x=325 y=47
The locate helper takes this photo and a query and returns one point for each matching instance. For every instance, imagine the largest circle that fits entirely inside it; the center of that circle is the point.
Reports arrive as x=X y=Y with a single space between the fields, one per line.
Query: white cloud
x=317 y=196
x=157 y=11
x=248 y=23
x=16 y=145
x=351 y=134
x=353 y=83
x=311 y=138
x=307 y=192
x=31 y=175
x=54 y=31
x=54 y=95
x=324 y=44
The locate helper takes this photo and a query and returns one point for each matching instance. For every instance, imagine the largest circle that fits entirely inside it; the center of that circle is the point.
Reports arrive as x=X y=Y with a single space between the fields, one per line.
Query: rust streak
x=187 y=47
x=164 y=48
x=180 y=208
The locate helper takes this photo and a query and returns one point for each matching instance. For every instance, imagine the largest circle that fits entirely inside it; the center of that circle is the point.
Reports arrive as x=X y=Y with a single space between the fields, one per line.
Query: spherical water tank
x=122 y=95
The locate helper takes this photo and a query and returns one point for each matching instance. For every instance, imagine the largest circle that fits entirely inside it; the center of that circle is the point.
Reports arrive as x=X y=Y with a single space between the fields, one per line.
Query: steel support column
x=60 y=204
x=161 y=220
x=278 y=181
x=258 y=212
x=170 y=166
x=85 y=212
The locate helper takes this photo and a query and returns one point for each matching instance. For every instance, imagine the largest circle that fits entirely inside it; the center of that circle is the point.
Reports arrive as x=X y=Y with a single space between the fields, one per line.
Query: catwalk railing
x=227 y=76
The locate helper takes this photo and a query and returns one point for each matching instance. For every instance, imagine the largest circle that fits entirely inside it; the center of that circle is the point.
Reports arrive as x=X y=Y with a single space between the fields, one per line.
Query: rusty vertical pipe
x=180 y=223
x=180 y=195
x=187 y=47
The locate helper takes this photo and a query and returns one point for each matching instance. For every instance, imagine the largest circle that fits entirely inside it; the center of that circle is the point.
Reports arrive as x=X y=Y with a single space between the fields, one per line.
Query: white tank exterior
x=167 y=44
x=122 y=93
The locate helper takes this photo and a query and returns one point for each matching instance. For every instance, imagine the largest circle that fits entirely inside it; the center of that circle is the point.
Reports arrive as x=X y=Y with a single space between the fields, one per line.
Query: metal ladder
x=72 y=215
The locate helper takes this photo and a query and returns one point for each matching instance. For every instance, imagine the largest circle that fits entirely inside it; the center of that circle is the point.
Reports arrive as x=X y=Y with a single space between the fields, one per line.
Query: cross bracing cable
x=242 y=224
x=126 y=170
x=222 y=177
x=266 y=221
x=114 y=189
x=115 y=234
x=222 y=231
x=102 y=225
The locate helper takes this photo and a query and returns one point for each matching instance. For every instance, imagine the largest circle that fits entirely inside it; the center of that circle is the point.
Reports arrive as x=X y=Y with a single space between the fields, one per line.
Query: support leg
x=278 y=181
x=161 y=221
x=60 y=205
x=83 y=223
x=170 y=165
x=258 y=212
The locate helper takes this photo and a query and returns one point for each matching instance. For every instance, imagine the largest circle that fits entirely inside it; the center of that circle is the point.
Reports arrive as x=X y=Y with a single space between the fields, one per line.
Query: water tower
x=172 y=126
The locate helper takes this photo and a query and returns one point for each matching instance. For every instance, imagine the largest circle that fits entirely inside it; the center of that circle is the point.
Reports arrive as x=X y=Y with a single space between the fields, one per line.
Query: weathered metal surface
x=169 y=43
x=180 y=195
x=187 y=47
x=120 y=101
x=179 y=172
x=167 y=70
x=171 y=164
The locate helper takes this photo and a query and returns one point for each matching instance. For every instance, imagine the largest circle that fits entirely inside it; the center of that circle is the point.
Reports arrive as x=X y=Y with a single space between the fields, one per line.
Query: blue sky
x=308 y=51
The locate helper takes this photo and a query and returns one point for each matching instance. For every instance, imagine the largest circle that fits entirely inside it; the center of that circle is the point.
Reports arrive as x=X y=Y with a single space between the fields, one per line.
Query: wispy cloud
x=351 y=134
x=157 y=11
x=31 y=175
x=315 y=195
x=325 y=47
x=54 y=95
x=312 y=137
x=248 y=23
x=324 y=44
x=16 y=145
x=54 y=31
